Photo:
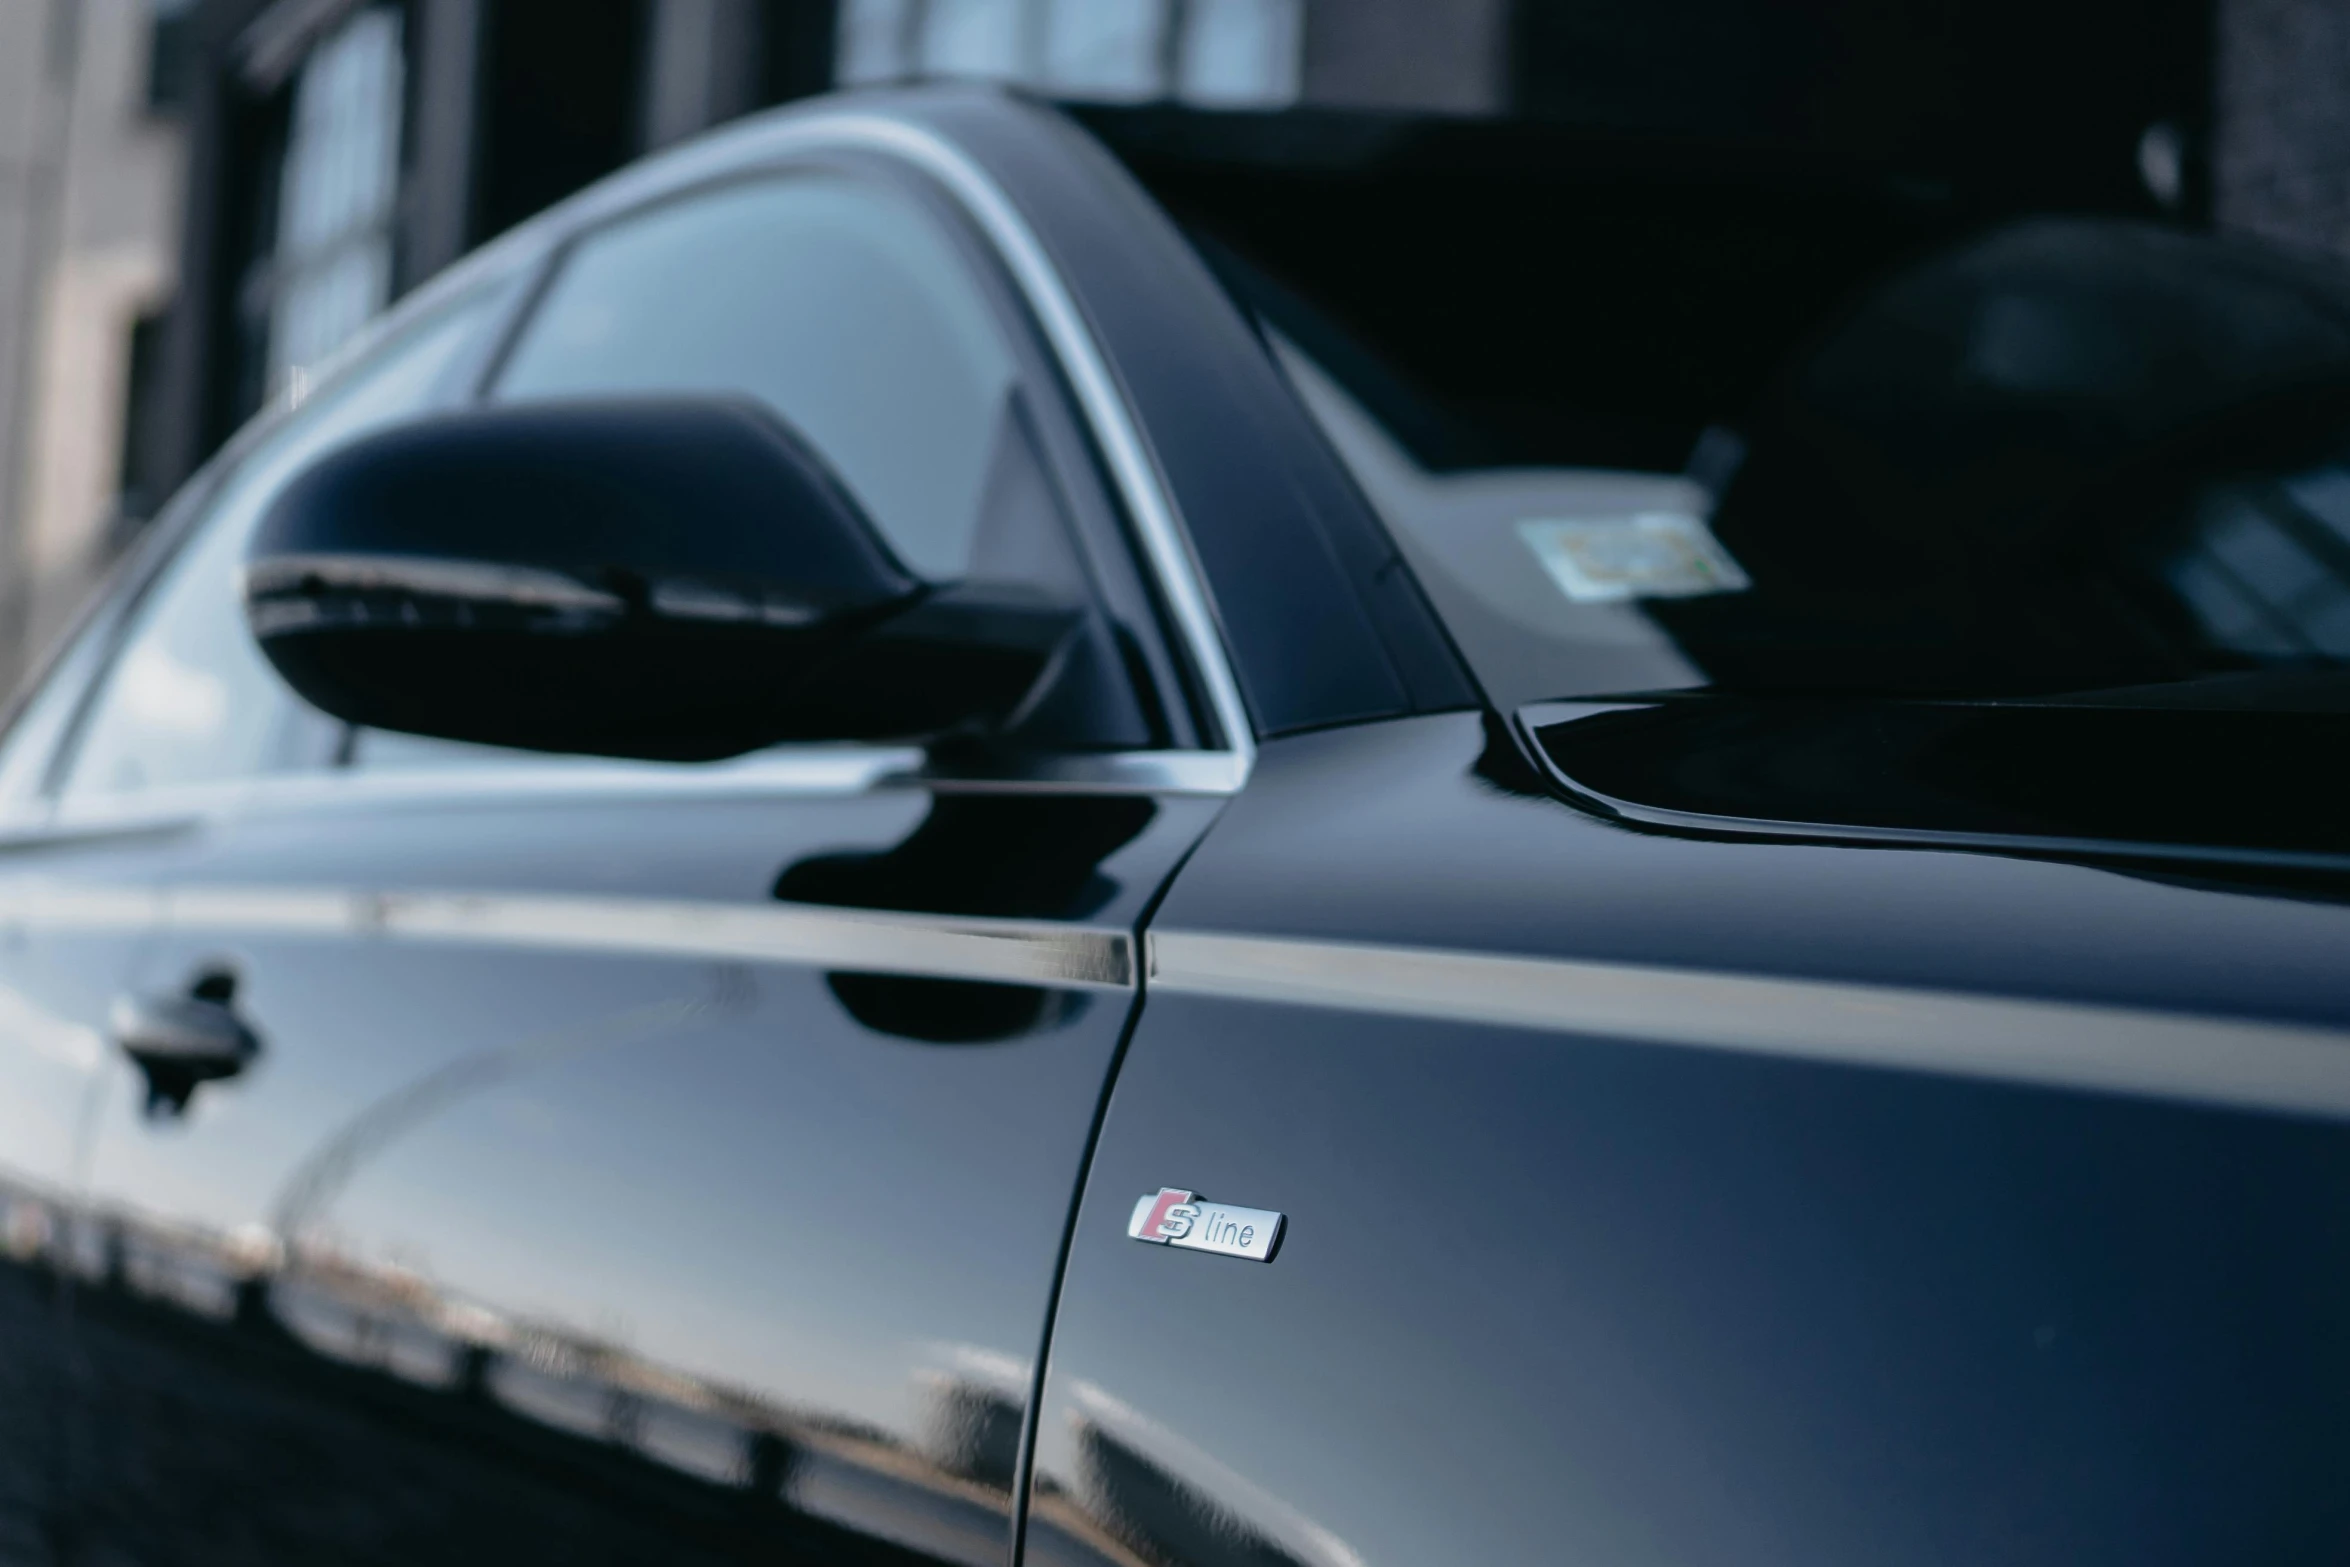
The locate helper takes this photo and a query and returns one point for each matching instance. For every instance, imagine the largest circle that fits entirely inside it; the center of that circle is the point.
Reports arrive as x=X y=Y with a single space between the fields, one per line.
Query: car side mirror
x=682 y=579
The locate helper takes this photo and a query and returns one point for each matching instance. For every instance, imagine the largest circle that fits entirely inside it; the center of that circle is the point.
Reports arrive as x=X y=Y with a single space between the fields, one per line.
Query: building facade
x=200 y=200
x=342 y=150
x=90 y=158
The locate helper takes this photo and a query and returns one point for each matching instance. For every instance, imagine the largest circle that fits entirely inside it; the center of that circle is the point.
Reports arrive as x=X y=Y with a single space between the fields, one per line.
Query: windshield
x=1644 y=435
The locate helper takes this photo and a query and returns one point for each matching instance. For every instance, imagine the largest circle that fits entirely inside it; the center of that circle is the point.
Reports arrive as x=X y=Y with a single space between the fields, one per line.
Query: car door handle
x=179 y=1042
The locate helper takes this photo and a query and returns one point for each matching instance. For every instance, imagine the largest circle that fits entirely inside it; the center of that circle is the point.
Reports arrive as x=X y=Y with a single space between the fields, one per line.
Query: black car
x=908 y=840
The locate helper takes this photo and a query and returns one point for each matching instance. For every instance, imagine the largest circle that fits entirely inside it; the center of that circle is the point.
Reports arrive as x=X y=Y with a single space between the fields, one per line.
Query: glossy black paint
x=681 y=578
x=1548 y=1297
x=2154 y=780
x=610 y=1257
x=56 y=987
x=499 y=1251
x=1436 y=832
x=1324 y=624
x=547 y=1250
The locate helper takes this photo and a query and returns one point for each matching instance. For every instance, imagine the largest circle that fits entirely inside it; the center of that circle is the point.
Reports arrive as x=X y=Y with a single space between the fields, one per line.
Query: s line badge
x=1179 y=1218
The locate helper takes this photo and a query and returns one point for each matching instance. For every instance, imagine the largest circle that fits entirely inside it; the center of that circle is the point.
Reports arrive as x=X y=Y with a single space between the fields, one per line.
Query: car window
x=190 y=699
x=44 y=719
x=837 y=303
x=1879 y=458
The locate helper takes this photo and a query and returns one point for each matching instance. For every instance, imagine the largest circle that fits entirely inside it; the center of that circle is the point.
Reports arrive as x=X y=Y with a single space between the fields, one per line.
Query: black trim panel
x=1323 y=621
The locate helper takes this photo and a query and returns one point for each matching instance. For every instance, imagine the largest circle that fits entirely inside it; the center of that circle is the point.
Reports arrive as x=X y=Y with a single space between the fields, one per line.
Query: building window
x=332 y=267
x=798 y=40
x=560 y=102
x=1111 y=49
x=1227 y=54
x=171 y=54
x=141 y=485
x=1239 y=54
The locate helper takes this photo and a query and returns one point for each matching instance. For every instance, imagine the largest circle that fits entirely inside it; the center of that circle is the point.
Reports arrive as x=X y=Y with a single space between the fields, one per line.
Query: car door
x=630 y=1162
x=52 y=986
x=1506 y=1169
x=180 y=723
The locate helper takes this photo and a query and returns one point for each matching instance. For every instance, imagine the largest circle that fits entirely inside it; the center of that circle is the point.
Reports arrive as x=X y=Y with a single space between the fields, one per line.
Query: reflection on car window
x=1467 y=537
x=2265 y=570
x=190 y=699
x=839 y=305
x=2094 y=459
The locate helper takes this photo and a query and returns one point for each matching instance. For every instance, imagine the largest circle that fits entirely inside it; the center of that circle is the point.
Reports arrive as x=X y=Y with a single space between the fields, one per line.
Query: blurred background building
x=92 y=165
x=200 y=199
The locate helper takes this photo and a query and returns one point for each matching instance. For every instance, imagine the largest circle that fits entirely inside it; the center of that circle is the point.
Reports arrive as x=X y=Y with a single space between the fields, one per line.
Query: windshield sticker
x=1646 y=555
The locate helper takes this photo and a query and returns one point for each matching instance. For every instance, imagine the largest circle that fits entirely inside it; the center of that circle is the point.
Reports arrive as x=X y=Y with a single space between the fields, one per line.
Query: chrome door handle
x=179 y=1042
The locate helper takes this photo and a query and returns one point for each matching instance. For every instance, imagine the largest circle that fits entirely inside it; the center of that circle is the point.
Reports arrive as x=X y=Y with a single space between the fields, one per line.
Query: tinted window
x=839 y=305
x=190 y=698
x=1640 y=433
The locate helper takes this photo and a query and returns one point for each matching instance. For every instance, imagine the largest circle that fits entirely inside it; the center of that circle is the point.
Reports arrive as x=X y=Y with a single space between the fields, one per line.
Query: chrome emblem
x=1174 y=1217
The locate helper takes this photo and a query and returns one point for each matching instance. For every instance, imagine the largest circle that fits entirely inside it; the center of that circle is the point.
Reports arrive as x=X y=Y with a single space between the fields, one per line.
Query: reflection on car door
x=1723 y=1240
x=184 y=716
x=619 y=1177
x=55 y=981
x=635 y=1162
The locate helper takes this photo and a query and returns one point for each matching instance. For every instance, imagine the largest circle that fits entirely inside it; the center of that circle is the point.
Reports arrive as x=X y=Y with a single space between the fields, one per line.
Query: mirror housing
x=678 y=579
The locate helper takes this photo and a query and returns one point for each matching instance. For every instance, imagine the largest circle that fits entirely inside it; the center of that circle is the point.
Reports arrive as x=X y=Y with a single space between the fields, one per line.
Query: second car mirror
x=678 y=579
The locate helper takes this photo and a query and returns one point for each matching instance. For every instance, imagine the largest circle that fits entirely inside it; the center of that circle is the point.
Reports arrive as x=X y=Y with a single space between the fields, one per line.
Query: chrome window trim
x=1005 y=951
x=811 y=772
